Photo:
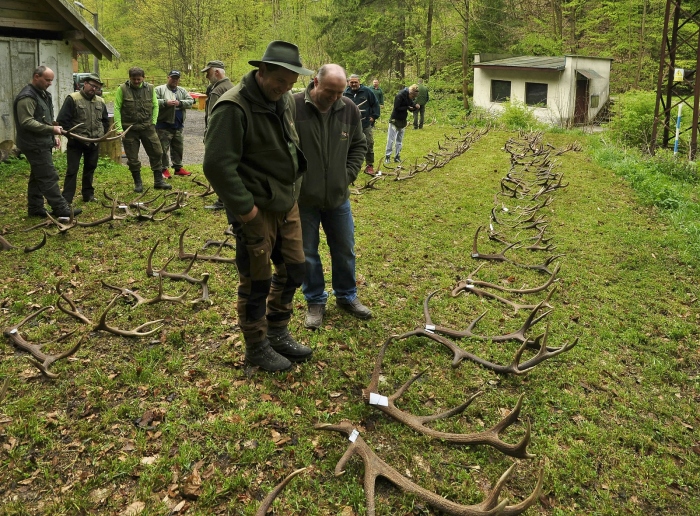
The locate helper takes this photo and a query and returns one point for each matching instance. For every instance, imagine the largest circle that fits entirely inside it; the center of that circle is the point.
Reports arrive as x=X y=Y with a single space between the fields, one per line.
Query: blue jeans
x=394 y=134
x=340 y=235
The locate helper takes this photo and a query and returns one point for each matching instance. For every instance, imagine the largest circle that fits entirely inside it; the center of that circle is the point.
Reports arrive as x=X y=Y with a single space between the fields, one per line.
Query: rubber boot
x=159 y=183
x=138 y=184
x=284 y=344
x=262 y=355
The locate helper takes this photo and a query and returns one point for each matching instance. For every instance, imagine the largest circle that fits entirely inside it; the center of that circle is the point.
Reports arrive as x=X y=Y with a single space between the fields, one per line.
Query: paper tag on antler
x=353 y=436
x=491 y=227
x=430 y=328
x=155 y=274
x=469 y=285
x=13 y=331
x=378 y=399
x=122 y=206
x=475 y=255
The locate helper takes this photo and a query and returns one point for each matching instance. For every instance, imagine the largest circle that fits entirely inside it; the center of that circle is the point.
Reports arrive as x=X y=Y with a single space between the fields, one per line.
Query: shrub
x=516 y=116
x=633 y=120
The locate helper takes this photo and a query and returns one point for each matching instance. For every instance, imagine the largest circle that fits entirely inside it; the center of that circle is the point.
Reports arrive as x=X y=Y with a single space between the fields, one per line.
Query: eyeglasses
x=93 y=86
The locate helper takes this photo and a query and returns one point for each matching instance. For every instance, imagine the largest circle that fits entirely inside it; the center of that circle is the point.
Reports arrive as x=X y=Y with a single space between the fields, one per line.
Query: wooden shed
x=42 y=32
x=564 y=91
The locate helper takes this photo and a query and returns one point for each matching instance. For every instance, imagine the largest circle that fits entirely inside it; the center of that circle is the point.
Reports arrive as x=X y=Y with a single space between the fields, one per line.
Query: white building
x=563 y=91
x=42 y=32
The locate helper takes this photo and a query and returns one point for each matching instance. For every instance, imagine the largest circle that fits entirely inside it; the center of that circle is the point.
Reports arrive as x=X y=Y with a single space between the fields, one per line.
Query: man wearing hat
x=173 y=100
x=218 y=85
x=253 y=161
x=88 y=109
x=136 y=107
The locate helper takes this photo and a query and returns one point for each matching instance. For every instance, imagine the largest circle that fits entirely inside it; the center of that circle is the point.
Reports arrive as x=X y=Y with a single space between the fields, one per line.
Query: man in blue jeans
x=331 y=137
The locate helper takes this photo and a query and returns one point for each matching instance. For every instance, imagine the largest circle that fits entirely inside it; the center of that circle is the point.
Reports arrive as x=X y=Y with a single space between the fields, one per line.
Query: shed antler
x=43 y=361
x=376 y=467
x=417 y=423
x=267 y=502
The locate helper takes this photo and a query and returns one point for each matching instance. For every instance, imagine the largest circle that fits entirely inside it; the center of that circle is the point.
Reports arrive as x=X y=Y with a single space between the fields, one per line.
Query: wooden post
x=113 y=149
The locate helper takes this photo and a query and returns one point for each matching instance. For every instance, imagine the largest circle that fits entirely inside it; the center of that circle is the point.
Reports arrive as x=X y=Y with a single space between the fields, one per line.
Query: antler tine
x=112 y=216
x=74 y=311
x=494 y=257
x=417 y=423
x=543 y=354
x=5 y=245
x=463 y=285
x=3 y=390
x=41 y=360
x=62 y=228
x=29 y=249
x=267 y=502
x=136 y=332
x=126 y=292
x=376 y=467
x=511 y=510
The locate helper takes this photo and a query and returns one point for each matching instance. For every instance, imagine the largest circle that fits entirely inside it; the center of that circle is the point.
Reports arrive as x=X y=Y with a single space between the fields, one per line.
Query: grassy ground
x=615 y=420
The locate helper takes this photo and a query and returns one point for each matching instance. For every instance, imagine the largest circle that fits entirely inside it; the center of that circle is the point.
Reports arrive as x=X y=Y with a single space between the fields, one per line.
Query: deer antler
x=3 y=390
x=62 y=228
x=376 y=467
x=42 y=361
x=112 y=216
x=181 y=276
x=136 y=332
x=466 y=284
x=208 y=188
x=7 y=246
x=140 y=300
x=212 y=258
x=104 y=138
x=267 y=502
x=417 y=423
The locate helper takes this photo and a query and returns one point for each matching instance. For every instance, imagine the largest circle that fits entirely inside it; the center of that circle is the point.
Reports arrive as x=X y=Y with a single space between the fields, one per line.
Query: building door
x=18 y=58
x=581 y=106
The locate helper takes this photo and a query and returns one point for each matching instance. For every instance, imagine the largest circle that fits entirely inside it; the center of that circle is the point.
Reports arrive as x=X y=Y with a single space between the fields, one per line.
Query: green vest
x=43 y=113
x=137 y=104
x=89 y=114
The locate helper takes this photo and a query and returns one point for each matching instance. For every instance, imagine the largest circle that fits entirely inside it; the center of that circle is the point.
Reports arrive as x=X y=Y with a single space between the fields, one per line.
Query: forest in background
x=394 y=40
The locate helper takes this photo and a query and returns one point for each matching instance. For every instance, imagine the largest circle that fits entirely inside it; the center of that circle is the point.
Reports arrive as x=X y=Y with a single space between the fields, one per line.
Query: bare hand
x=249 y=216
x=173 y=102
x=57 y=142
x=417 y=106
x=57 y=129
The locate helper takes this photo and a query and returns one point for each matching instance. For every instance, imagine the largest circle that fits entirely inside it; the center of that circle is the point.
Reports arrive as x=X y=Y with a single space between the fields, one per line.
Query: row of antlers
x=531 y=176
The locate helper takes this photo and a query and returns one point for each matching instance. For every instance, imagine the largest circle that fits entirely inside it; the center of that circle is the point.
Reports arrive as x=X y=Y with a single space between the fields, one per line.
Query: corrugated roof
x=526 y=62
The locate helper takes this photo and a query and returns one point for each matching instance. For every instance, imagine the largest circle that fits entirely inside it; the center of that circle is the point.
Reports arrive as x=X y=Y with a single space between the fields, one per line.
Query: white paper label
x=122 y=206
x=14 y=330
x=475 y=255
x=469 y=285
x=155 y=274
x=353 y=436
x=378 y=399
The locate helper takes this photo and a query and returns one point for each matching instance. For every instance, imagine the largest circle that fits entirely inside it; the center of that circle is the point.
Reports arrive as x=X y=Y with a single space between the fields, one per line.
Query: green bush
x=633 y=120
x=517 y=116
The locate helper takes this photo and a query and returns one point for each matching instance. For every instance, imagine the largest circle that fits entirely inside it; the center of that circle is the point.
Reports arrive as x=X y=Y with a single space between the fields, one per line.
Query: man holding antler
x=84 y=113
x=36 y=137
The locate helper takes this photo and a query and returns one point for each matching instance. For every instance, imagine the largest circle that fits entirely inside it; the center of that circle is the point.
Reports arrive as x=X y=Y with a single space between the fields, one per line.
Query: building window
x=500 y=91
x=535 y=94
x=595 y=101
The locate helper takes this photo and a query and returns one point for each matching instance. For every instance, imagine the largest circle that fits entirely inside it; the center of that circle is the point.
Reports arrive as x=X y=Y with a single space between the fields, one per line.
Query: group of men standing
x=260 y=142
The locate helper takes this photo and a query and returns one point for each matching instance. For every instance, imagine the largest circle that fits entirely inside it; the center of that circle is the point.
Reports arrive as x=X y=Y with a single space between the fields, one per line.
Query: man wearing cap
x=364 y=99
x=173 y=100
x=87 y=112
x=334 y=144
x=36 y=137
x=218 y=85
x=136 y=107
x=253 y=161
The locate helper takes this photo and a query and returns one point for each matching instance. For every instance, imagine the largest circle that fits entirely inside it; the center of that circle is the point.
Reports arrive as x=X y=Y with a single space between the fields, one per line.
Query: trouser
x=369 y=135
x=90 y=154
x=147 y=136
x=43 y=182
x=394 y=135
x=339 y=228
x=420 y=111
x=264 y=297
x=171 y=142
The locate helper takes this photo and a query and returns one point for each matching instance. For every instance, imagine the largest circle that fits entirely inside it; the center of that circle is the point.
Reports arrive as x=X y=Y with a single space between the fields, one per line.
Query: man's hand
x=57 y=142
x=57 y=129
x=249 y=216
x=417 y=106
x=173 y=102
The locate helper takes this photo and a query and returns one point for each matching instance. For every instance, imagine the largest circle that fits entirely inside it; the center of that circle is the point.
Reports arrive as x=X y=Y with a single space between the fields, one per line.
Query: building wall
x=561 y=92
x=18 y=59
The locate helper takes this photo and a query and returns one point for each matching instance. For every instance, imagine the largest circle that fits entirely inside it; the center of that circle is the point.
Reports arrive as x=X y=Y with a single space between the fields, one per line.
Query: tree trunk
x=465 y=56
x=429 y=38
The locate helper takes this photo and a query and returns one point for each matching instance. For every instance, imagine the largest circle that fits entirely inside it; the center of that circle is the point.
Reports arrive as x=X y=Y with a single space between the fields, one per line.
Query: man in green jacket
x=331 y=136
x=253 y=161
x=136 y=106
x=173 y=103
x=421 y=100
x=36 y=137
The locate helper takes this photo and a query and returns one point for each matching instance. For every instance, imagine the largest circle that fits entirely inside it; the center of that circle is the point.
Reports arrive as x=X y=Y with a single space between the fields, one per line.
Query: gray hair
x=39 y=70
x=330 y=69
x=355 y=76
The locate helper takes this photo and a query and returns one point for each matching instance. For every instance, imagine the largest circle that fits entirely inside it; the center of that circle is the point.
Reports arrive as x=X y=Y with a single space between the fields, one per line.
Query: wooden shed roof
x=54 y=20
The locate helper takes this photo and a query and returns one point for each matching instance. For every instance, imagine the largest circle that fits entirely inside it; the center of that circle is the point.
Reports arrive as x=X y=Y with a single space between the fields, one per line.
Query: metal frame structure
x=681 y=37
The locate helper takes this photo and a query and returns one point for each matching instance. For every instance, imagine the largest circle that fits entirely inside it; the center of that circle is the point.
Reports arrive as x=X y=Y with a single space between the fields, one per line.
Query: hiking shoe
x=166 y=174
x=355 y=308
x=370 y=170
x=66 y=212
x=262 y=355
x=89 y=199
x=314 y=317
x=387 y=159
x=283 y=343
x=182 y=172
x=397 y=159
x=37 y=213
x=218 y=205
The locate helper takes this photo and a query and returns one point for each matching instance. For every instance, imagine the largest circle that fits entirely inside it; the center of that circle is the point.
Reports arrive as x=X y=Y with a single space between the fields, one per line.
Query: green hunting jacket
x=334 y=152
x=251 y=150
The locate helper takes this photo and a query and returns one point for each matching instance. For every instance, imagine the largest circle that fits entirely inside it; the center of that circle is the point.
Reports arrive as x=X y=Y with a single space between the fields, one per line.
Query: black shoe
x=37 y=213
x=262 y=355
x=284 y=344
x=89 y=199
x=66 y=212
x=218 y=205
x=355 y=308
x=397 y=159
x=162 y=185
x=387 y=159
